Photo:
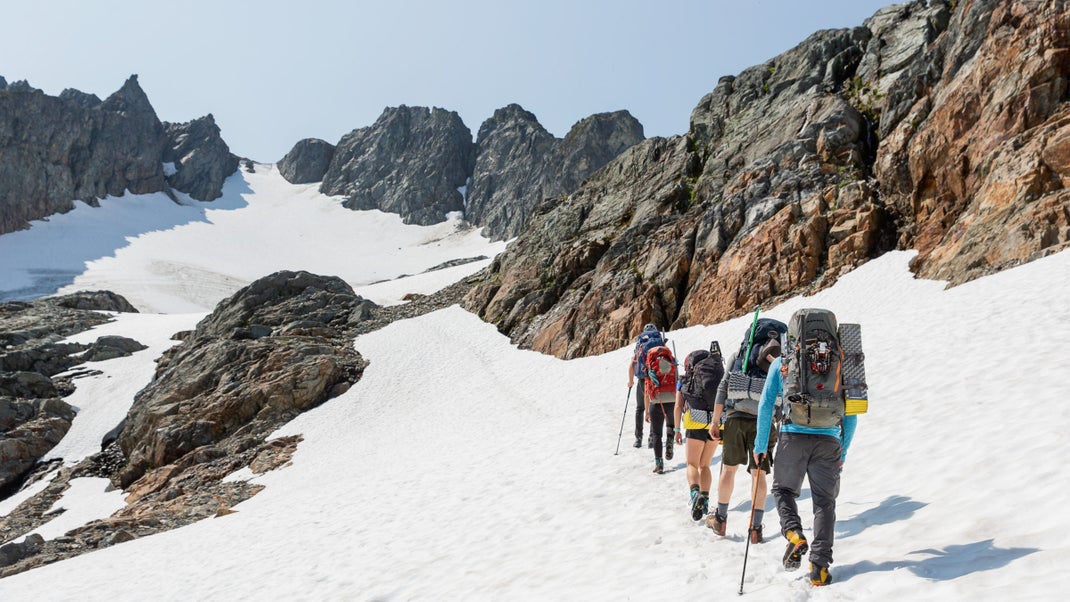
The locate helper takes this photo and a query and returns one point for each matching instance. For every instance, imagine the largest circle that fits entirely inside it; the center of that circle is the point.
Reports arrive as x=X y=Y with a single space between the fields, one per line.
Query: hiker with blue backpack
x=736 y=411
x=650 y=337
x=822 y=379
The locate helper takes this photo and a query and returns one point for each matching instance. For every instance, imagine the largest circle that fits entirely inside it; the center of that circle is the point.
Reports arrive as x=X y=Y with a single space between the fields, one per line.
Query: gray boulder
x=307 y=161
x=111 y=347
x=94 y=300
x=411 y=161
x=201 y=158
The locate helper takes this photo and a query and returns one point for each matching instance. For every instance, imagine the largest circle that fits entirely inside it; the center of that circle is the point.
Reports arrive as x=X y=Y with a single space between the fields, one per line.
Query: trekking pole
x=623 y=418
x=750 y=524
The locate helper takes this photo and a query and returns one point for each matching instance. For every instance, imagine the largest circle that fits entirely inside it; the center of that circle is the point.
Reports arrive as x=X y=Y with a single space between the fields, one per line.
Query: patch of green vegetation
x=864 y=97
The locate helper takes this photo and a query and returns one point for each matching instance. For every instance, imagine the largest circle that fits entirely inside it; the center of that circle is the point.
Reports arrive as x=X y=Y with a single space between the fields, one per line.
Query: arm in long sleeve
x=773 y=385
x=849 y=425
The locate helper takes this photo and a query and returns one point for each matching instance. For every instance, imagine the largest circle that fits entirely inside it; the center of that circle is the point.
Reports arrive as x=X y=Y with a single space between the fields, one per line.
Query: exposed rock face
x=30 y=430
x=645 y=239
x=32 y=417
x=223 y=379
x=931 y=127
x=979 y=162
x=411 y=161
x=201 y=159
x=519 y=164
x=307 y=161
x=54 y=150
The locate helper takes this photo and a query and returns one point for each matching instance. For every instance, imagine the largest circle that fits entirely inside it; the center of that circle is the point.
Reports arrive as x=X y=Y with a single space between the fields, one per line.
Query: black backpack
x=767 y=334
x=704 y=371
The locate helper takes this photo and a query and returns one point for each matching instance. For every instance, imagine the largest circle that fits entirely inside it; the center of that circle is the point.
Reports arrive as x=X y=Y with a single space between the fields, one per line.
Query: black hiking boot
x=659 y=466
x=797 y=546
x=718 y=523
x=698 y=506
x=819 y=575
x=668 y=448
x=638 y=442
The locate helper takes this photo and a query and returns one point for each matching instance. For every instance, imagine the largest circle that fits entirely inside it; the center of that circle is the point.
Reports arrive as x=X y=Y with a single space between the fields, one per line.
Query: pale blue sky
x=274 y=72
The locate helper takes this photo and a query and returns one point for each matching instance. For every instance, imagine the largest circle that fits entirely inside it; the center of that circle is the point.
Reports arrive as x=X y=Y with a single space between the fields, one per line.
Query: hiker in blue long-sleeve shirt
x=817 y=453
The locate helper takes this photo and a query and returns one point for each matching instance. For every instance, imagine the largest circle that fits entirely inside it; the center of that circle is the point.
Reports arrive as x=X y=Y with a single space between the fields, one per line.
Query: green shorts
x=738 y=448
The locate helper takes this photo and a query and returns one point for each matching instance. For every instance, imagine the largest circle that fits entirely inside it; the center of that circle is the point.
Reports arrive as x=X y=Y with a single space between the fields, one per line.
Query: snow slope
x=170 y=258
x=431 y=480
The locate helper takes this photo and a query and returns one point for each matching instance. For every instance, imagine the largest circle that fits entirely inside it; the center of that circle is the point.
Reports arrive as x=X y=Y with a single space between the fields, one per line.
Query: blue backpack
x=649 y=339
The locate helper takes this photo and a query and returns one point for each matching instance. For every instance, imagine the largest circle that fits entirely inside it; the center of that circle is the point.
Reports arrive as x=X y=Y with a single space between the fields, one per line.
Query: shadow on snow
x=54 y=251
x=949 y=563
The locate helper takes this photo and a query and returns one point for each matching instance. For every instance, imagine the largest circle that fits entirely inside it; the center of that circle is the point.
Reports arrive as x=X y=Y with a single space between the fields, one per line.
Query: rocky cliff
x=519 y=164
x=411 y=161
x=935 y=125
x=416 y=162
x=56 y=149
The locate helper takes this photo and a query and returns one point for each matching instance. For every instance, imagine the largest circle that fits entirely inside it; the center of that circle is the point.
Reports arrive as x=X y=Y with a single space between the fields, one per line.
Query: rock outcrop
x=54 y=150
x=200 y=158
x=975 y=151
x=934 y=126
x=307 y=161
x=519 y=164
x=33 y=418
x=267 y=353
x=411 y=161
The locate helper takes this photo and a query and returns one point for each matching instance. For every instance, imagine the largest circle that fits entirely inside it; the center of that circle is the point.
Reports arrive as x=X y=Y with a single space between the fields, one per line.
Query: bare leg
x=726 y=483
x=705 y=475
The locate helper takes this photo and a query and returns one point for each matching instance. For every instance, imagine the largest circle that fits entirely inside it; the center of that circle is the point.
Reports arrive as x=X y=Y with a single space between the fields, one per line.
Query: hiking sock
x=722 y=509
x=694 y=488
x=758 y=514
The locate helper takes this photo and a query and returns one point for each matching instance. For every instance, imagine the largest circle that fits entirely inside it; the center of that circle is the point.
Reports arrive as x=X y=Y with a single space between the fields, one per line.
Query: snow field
x=462 y=467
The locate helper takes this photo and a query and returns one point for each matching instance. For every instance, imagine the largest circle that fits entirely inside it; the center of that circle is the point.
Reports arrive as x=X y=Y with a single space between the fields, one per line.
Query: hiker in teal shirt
x=774 y=385
x=811 y=452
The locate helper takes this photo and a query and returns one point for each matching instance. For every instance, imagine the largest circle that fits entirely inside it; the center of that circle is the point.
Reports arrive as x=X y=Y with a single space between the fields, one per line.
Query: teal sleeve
x=849 y=424
x=773 y=386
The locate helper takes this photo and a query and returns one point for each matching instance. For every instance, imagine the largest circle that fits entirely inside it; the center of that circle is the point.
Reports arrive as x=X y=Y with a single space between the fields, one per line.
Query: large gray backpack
x=826 y=374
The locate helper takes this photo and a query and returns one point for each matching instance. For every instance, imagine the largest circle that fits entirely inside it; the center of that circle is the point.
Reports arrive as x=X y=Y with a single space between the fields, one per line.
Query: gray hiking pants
x=818 y=458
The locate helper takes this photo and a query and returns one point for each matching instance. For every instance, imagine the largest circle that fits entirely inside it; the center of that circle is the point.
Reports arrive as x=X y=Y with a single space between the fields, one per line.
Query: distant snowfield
x=460 y=467
x=170 y=258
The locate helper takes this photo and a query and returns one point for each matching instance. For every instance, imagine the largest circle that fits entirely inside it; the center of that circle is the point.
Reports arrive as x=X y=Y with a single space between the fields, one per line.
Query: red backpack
x=660 y=374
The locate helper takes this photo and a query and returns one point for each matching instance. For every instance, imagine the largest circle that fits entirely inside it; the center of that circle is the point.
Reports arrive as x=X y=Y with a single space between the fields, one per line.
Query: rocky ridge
x=935 y=125
x=57 y=149
x=519 y=164
x=416 y=161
